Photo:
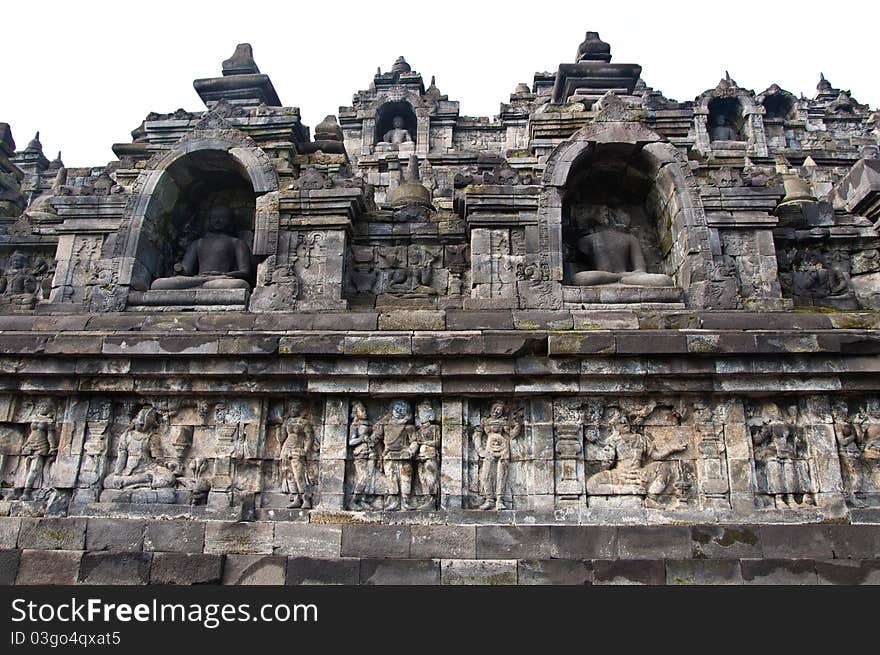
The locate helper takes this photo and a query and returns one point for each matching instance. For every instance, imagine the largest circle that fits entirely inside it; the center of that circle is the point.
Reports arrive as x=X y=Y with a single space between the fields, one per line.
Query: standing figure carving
x=298 y=444
x=492 y=438
x=364 y=453
x=783 y=472
x=427 y=437
x=38 y=449
x=396 y=432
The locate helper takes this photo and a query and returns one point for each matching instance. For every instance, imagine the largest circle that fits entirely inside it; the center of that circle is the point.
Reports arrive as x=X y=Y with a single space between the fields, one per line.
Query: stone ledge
x=452 y=320
x=56 y=567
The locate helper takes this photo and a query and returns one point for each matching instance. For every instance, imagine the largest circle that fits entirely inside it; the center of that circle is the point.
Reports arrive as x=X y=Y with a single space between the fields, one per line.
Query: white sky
x=86 y=73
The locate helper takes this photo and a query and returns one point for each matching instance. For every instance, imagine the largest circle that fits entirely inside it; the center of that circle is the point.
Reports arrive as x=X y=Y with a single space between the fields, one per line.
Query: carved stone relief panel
x=499 y=455
x=393 y=460
x=857 y=434
x=26 y=280
x=785 y=470
x=290 y=453
x=28 y=447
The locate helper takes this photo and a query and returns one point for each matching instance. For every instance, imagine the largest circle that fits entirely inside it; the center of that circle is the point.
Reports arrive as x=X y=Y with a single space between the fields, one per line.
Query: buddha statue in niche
x=721 y=129
x=611 y=255
x=216 y=260
x=398 y=133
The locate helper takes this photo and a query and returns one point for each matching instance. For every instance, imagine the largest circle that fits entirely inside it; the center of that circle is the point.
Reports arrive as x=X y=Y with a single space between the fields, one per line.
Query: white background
x=86 y=73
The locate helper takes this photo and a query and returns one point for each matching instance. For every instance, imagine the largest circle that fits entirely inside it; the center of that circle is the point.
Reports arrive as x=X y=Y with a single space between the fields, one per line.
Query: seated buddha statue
x=216 y=260
x=614 y=257
x=398 y=133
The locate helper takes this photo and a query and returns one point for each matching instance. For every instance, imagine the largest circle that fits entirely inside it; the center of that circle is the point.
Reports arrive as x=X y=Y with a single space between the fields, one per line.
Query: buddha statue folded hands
x=614 y=257
x=216 y=260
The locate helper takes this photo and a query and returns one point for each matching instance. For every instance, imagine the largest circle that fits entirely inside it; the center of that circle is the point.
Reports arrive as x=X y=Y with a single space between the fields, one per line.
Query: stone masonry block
x=48 y=567
x=115 y=568
x=376 y=541
x=52 y=533
x=307 y=571
x=443 y=541
x=186 y=568
x=114 y=534
x=308 y=540
x=513 y=542
x=478 y=572
x=223 y=537
x=400 y=572
x=254 y=570
x=175 y=536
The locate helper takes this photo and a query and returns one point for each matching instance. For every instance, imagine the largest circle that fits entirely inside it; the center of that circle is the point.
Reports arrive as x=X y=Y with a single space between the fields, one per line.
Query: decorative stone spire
x=411 y=191
x=56 y=163
x=35 y=145
x=796 y=188
x=400 y=66
x=824 y=86
x=241 y=62
x=593 y=49
x=328 y=129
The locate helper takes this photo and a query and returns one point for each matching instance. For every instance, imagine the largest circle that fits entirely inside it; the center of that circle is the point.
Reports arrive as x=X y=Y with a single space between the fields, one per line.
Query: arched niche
x=779 y=106
x=385 y=115
x=171 y=198
x=726 y=112
x=610 y=187
x=645 y=176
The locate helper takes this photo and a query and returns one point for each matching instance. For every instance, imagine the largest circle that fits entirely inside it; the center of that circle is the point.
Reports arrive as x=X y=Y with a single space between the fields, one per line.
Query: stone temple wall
x=605 y=336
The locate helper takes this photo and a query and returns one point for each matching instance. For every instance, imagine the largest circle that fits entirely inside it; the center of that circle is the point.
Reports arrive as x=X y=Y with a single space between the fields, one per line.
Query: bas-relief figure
x=139 y=474
x=632 y=463
x=217 y=260
x=492 y=439
x=857 y=430
x=781 y=457
x=395 y=460
x=299 y=444
x=39 y=448
x=396 y=432
x=23 y=280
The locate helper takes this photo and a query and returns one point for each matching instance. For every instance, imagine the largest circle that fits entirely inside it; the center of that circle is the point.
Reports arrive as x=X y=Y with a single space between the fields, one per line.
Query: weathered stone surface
x=115 y=568
x=239 y=538
x=307 y=571
x=186 y=569
x=443 y=542
x=720 y=542
x=9 y=527
x=478 y=572
x=52 y=534
x=175 y=536
x=254 y=570
x=583 y=542
x=775 y=571
x=653 y=542
x=308 y=540
x=114 y=534
x=49 y=567
x=375 y=541
x=9 y=566
x=629 y=572
x=554 y=572
x=399 y=572
x=513 y=542
x=703 y=572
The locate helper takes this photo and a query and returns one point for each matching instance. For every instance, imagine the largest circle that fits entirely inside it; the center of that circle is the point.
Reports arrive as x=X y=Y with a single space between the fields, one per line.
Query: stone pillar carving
x=333 y=452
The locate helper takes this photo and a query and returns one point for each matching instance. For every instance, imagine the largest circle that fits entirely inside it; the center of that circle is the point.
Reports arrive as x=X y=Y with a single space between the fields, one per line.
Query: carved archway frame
x=683 y=220
x=212 y=133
